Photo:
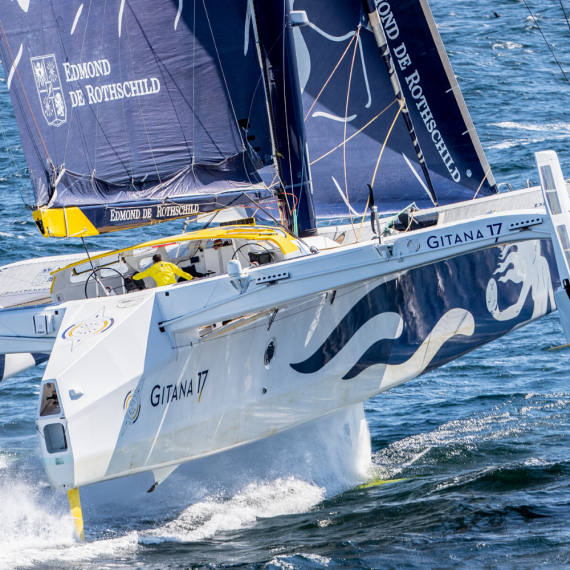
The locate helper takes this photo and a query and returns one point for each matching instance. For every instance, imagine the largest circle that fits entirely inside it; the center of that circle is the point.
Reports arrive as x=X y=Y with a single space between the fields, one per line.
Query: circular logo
x=469 y=173
x=91 y=327
x=413 y=245
x=132 y=406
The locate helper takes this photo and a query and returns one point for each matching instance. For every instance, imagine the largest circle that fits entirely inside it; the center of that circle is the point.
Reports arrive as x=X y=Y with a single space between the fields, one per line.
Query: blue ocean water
x=483 y=443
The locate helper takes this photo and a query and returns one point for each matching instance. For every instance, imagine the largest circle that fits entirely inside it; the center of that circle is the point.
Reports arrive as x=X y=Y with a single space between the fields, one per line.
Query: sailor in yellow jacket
x=162 y=272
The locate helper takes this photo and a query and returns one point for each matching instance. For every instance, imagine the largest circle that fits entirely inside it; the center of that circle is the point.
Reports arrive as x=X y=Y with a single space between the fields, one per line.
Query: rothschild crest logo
x=49 y=89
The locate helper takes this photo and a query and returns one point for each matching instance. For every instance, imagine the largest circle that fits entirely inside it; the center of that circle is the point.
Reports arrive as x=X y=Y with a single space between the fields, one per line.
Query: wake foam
x=285 y=474
x=36 y=529
x=258 y=500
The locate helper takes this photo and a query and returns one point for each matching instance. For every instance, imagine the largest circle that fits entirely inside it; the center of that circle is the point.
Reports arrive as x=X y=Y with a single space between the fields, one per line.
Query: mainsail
x=350 y=107
x=132 y=113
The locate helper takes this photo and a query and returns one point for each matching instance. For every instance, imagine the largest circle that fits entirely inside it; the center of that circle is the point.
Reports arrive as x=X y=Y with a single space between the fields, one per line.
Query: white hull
x=146 y=381
x=153 y=393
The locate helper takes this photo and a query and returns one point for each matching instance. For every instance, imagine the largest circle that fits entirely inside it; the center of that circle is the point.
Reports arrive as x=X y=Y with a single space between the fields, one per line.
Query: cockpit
x=202 y=254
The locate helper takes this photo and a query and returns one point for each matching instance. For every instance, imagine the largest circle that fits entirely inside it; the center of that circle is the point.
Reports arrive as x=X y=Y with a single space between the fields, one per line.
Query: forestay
x=358 y=101
x=136 y=103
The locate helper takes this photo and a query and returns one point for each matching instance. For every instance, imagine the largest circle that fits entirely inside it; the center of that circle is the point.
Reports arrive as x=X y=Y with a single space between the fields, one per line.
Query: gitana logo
x=49 y=88
x=413 y=245
x=132 y=406
x=97 y=324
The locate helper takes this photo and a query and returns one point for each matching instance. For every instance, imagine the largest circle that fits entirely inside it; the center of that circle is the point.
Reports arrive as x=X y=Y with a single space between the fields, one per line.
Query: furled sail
x=352 y=117
x=135 y=112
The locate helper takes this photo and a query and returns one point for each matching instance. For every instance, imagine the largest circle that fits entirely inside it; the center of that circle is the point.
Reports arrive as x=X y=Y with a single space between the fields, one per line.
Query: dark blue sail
x=132 y=101
x=350 y=106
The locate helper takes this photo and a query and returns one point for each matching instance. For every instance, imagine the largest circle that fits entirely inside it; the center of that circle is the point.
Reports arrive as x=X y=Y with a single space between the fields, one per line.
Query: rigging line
x=172 y=79
x=98 y=106
x=402 y=103
x=283 y=39
x=356 y=133
x=193 y=87
x=362 y=221
x=344 y=136
x=330 y=77
x=247 y=126
x=223 y=74
x=17 y=74
x=139 y=101
x=287 y=231
x=9 y=149
x=80 y=126
x=565 y=16
x=548 y=45
x=106 y=138
x=484 y=178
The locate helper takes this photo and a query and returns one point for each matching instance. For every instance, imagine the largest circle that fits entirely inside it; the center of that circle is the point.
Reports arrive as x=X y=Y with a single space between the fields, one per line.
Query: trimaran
x=131 y=114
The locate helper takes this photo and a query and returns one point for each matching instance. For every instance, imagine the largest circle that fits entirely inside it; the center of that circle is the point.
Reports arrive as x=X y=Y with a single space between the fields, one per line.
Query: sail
x=131 y=112
x=352 y=116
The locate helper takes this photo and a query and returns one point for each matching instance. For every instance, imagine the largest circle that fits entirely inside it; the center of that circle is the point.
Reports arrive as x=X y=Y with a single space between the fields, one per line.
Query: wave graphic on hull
x=453 y=323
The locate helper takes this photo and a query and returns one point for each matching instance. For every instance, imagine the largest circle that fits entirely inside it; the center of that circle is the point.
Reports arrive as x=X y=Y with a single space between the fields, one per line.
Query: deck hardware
x=239 y=278
x=272 y=277
x=272 y=318
x=43 y=324
x=523 y=224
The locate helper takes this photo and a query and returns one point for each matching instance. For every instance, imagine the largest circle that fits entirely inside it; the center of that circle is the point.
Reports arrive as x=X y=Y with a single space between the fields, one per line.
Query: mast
x=377 y=28
x=284 y=93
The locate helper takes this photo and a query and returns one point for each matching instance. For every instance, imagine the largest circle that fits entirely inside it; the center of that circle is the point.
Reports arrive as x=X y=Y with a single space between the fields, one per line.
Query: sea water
x=482 y=444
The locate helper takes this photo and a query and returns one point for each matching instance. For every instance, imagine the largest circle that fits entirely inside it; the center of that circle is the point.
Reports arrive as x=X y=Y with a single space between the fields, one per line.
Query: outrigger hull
x=142 y=387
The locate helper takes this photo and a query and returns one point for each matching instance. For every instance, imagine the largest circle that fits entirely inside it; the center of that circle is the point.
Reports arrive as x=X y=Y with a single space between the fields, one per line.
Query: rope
x=484 y=178
x=548 y=45
x=357 y=132
x=9 y=149
x=140 y=106
x=344 y=136
x=565 y=16
x=223 y=74
x=362 y=221
x=411 y=220
x=402 y=103
x=330 y=77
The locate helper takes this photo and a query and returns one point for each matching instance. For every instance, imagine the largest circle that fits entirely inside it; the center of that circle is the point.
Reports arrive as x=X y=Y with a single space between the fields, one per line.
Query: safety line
x=352 y=136
x=344 y=135
x=330 y=77
x=544 y=37
x=484 y=178
x=402 y=103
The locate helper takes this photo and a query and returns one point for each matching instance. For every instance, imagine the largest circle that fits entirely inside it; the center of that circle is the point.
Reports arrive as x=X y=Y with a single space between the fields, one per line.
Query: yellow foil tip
x=75 y=504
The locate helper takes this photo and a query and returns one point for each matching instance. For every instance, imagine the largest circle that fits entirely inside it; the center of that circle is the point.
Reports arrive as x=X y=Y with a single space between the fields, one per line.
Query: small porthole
x=269 y=352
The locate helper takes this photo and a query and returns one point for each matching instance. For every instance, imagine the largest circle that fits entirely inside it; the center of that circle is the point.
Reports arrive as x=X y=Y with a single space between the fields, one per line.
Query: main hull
x=159 y=397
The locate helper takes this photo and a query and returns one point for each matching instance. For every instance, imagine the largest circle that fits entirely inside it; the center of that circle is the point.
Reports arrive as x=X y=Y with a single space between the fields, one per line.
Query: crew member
x=163 y=272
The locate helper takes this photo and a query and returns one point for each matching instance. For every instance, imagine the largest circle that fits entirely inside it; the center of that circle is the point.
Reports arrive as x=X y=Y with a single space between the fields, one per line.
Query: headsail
x=145 y=112
x=337 y=49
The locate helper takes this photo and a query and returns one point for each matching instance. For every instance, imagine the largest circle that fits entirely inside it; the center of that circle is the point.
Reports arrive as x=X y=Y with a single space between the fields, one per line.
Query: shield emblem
x=49 y=88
